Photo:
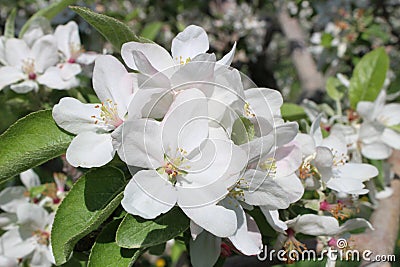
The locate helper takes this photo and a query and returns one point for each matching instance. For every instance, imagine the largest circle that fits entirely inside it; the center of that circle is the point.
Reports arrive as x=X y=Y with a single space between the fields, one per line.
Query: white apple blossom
x=377 y=136
x=327 y=159
x=94 y=124
x=31 y=238
x=189 y=165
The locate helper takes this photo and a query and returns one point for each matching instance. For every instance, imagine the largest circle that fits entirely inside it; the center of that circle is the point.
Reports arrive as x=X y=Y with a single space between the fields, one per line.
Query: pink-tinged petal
x=111 y=81
x=90 y=149
x=157 y=56
x=347 y=185
x=10 y=75
x=76 y=117
x=272 y=217
x=247 y=238
x=228 y=58
x=141 y=143
x=360 y=171
x=288 y=159
x=185 y=125
x=12 y=197
x=215 y=219
x=378 y=150
x=306 y=143
x=67 y=37
x=205 y=250
x=16 y=52
x=44 y=52
x=25 y=87
x=52 y=78
x=285 y=133
x=148 y=195
x=189 y=43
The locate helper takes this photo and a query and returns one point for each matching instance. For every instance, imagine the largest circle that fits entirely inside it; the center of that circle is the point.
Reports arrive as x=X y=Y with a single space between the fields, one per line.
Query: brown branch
x=312 y=81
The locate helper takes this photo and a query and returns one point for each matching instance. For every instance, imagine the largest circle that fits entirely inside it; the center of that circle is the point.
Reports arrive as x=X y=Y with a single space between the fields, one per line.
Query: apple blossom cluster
x=195 y=137
x=45 y=59
x=27 y=220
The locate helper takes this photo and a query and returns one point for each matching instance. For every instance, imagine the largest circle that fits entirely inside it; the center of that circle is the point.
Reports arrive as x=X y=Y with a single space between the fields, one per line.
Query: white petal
x=12 y=197
x=247 y=238
x=195 y=230
x=69 y=70
x=185 y=125
x=360 y=171
x=9 y=75
x=284 y=133
x=391 y=138
x=67 y=35
x=272 y=217
x=32 y=215
x=258 y=147
x=87 y=58
x=13 y=245
x=89 y=149
x=156 y=55
x=111 y=81
x=44 y=52
x=76 y=117
x=25 y=86
x=29 y=178
x=228 y=58
x=385 y=193
x=40 y=257
x=337 y=144
x=141 y=143
x=354 y=224
x=189 y=43
x=33 y=33
x=376 y=151
x=315 y=130
x=288 y=159
x=311 y=224
x=148 y=195
x=8 y=261
x=214 y=219
x=205 y=250
x=292 y=185
x=348 y=186
x=306 y=143
x=7 y=220
x=264 y=102
x=263 y=191
x=390 y=115
x=16 y=52
x=364 y=109
x=53 y=78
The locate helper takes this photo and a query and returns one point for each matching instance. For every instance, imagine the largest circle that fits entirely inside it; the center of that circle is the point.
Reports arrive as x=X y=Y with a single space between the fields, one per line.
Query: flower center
x=269 y=165
x=42 y=237
x=237 y=191
x=28 y=68
x=183 y=61
x=248 y=112
x=108 y=114
x=339 y=210
x=292 y=244
x=173 y=167
x=75 y=50
x=307 y=170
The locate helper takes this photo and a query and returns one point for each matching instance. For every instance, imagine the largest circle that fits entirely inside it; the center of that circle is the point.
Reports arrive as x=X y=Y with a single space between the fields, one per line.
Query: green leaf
x=113 y=30
x=9 y=28
x=151 y=30
x=368 y=77
x=292 y=112
x=49 y=12
x=30 y=142
x=242 y=131
x=332 y=85
x=106 y=252
x=89 y=203
x=135 y=232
